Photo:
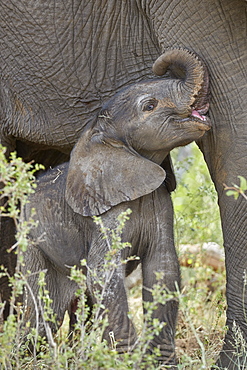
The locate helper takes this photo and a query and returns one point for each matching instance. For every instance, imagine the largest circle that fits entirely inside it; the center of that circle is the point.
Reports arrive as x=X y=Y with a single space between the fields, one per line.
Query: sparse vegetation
x=197 y=218
x=201 y=323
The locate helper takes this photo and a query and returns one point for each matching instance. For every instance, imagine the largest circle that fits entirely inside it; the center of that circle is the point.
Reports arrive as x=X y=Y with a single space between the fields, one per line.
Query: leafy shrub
x=202 y=306
x=59 y=352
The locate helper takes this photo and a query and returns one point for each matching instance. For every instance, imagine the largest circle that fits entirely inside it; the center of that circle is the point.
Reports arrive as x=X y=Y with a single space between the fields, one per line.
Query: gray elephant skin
x=116 y=166
x=60 y=61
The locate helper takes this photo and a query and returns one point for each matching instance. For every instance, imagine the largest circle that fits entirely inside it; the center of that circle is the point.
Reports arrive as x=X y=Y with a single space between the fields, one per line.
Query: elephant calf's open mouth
x=199 y=116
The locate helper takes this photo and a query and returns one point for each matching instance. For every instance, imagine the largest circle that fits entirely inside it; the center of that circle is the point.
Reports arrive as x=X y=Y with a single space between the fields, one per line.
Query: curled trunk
x=191 y=70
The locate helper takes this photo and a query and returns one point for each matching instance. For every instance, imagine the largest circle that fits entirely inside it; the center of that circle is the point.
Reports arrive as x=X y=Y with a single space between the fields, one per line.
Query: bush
x=200 y=327
x=89 y=351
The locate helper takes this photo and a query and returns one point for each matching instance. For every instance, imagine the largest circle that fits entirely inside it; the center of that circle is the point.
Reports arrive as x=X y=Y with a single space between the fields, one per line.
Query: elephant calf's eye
x=149 y=106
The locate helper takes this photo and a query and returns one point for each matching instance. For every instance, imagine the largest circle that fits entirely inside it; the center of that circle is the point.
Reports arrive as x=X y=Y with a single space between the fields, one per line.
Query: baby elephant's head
x=163 y=113
x=118 y=158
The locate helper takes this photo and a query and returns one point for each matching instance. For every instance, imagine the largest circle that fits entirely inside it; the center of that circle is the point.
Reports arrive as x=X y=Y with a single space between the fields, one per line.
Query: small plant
x=93 y=352
x=237 y=190
x=17 y=182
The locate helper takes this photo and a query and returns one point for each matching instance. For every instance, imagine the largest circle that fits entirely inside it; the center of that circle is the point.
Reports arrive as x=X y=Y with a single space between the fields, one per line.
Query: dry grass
x=202 y=308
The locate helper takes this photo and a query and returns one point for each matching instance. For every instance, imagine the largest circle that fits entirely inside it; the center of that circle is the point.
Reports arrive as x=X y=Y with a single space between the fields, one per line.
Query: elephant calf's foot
x=121 y=345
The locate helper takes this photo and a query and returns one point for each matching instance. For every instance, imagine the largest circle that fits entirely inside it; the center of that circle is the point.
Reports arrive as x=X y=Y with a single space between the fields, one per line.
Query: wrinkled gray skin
x=61 y=60
x=114 y=166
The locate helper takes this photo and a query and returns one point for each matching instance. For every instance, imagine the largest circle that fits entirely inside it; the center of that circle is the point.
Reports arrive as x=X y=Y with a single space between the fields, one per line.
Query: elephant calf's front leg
x=161 y=258
x=163 y=313
x=109 y=292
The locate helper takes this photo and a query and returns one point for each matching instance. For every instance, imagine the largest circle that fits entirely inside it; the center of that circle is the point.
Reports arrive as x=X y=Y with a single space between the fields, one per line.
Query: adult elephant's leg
x=8 y=260
x=107 y=288
x=217 y=32
x=225 y=151
x=161 y=257
x=226 y=162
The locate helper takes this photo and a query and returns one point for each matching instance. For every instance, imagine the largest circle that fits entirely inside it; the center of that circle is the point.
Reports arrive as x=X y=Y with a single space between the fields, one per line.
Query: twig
x=237 y=189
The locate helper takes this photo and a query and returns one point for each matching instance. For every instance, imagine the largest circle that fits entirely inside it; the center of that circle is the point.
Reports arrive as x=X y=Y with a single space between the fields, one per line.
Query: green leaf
x=232 y=192
x=243 y=183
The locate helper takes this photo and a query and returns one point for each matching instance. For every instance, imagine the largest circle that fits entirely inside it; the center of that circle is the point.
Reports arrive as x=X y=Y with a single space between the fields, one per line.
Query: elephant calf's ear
x=101 y=176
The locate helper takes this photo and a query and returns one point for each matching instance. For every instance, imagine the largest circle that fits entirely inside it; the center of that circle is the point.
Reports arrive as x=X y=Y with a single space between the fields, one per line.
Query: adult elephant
x=61 y=60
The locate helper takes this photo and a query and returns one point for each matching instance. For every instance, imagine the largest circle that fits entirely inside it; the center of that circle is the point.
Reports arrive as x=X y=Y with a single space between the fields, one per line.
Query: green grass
x=197 y=218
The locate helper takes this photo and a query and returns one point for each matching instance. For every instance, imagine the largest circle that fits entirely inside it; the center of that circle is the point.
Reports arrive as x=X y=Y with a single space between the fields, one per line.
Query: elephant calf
x=116 y=165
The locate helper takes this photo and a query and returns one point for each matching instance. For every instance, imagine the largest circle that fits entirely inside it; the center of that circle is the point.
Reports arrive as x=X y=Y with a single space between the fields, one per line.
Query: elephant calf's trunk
x=191 y=70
